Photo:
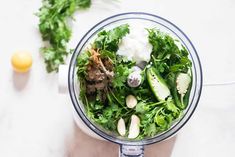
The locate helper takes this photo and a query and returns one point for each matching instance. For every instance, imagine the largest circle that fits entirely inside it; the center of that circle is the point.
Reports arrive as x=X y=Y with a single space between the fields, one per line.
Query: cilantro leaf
x=109 y=40
x=166 y=55
x=151 y=129
x=54 y=28
x=161 y=121
x=120 y=77
x=82 y=62
x=142 y=107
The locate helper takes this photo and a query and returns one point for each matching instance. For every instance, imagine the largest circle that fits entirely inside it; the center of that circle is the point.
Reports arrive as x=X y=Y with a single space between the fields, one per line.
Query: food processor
x=68 y=81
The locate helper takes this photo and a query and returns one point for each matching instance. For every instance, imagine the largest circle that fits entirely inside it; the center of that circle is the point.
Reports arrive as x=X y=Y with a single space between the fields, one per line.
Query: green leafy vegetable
x=142 y=107
x=54 y=28
x=166 y=54
x=82 y=63
x=122 y=70
x=108 y=40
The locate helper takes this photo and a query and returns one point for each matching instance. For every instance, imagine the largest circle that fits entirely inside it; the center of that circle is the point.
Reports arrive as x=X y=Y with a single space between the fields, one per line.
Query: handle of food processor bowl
x=63 y=79
x=131 y=151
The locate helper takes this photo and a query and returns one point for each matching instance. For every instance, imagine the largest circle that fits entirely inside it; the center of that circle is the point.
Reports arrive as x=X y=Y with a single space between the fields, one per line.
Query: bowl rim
x=160 y=137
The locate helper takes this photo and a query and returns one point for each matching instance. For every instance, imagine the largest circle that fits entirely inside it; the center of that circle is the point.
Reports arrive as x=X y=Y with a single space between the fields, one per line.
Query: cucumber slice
x=157 y=85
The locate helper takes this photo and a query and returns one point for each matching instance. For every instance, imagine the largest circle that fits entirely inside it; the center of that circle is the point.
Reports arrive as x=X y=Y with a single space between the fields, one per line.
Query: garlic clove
x=134 y=128
x=121 y=127
x=134 y=79
x=131 y=101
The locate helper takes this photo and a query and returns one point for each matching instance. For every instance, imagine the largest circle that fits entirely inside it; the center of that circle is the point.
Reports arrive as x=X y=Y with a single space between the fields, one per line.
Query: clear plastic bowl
x=148 y=20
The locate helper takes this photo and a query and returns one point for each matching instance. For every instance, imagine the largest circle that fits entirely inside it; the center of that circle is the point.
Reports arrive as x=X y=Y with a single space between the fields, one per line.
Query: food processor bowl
x=130 y=147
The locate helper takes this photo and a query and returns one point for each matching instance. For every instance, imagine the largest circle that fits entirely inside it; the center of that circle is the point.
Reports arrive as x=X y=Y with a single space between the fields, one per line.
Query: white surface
x=36 y=121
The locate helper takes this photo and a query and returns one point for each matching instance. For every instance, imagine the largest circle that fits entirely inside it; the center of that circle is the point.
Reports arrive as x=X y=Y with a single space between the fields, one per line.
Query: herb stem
x=157 y=103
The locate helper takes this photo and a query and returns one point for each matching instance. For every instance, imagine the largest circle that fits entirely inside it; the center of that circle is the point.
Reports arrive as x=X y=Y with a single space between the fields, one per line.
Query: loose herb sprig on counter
x=54 y=28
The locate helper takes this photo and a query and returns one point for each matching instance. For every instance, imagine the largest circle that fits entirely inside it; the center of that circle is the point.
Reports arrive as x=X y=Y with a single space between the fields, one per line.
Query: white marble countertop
x=37 y=121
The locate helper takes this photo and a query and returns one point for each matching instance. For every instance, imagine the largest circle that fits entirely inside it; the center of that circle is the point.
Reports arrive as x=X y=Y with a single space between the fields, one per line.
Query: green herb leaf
x=151 y=130
x=82 y=62
x=121 y=74
x=54 y=28
x=161 y=121
x=109 y=40
x=142 y=107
